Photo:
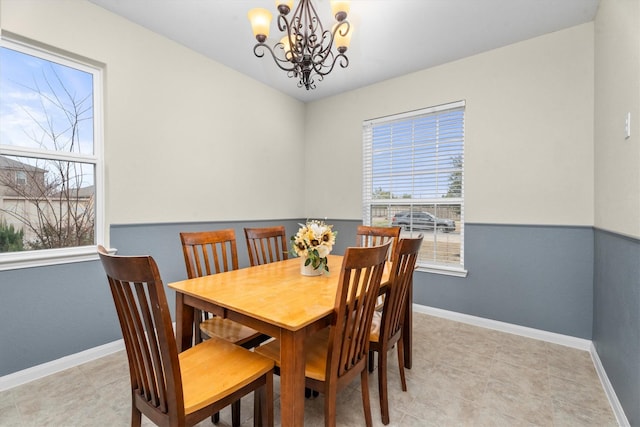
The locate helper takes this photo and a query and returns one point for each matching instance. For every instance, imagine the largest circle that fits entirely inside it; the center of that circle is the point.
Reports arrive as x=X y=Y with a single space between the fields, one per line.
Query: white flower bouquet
x=313 y=242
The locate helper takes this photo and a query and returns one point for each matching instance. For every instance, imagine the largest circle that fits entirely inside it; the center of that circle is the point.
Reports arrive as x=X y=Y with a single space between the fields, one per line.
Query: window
x=413 y=169
x=21 y=178
x=50 y=156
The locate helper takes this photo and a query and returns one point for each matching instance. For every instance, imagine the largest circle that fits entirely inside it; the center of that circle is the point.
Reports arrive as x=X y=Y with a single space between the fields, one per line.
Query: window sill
x=43 y=258
x=447 y=271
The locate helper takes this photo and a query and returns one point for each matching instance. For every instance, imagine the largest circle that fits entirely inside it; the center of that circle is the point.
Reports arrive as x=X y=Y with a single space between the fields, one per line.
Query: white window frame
x=367 y=188
x=44 y=257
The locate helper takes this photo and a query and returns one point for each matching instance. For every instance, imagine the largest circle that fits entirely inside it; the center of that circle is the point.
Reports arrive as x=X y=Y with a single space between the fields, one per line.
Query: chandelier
x=306 y=51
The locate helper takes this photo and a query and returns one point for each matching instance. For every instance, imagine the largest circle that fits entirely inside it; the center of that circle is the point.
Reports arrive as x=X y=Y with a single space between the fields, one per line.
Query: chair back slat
x=266 y=244
x=375 y=236
x=143 y=312
x=403 y=266
x=130 y=336
x=153 y=358
x=358 y=288
x=209 y=252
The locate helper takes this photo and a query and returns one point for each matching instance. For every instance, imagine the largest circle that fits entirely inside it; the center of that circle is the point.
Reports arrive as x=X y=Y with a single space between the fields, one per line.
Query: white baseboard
x=608 y=389
x=70 y=361
x=573 y=342
x=41 y=371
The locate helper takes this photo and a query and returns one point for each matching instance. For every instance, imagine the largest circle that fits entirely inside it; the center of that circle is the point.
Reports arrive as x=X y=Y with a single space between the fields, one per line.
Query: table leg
x=184 y=323
x=408 y=328
x=292 y=378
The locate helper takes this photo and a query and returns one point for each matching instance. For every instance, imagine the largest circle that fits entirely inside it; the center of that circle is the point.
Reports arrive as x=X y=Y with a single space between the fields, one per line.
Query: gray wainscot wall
x=575 y=281
x=616 y=316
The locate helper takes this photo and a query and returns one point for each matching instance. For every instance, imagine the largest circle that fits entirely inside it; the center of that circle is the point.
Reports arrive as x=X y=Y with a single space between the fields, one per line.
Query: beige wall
x=186 y=139
x=617 y=92
x=528 y=131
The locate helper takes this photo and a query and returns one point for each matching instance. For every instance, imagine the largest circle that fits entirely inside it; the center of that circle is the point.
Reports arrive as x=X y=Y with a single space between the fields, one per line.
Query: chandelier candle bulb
x=342 y=36
x=284 y=6
x=287 y=48
x=260 y=23
x=340 y=9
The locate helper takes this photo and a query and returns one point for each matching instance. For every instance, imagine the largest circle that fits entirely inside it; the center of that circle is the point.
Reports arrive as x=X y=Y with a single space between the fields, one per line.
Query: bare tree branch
x=53 y=205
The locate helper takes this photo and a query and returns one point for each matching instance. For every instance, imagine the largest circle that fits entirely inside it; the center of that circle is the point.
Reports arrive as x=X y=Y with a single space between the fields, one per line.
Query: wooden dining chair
x=387 y=327
x=335 y=356
x=174 y=389
x=367 y=235
x=212 y=252
x=266 y=244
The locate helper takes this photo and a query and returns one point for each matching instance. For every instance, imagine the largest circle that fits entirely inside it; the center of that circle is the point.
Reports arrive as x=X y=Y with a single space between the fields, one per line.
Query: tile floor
x=462 y=376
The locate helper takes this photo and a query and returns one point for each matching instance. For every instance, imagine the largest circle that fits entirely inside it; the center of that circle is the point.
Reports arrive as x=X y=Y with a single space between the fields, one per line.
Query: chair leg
x=136 y=417
x=215 y=418
x=401 y=364
x=266 y=402
x=370 y=363
x=260 y=416
x=197 y=319
x=366 y=404
x=235 y=413
x=258 y=404
x=308 y=393
x=382 y=386
x=330 y=404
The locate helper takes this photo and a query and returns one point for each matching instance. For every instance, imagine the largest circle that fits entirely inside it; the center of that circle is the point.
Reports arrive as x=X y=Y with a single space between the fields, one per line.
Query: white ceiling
x=391 y=37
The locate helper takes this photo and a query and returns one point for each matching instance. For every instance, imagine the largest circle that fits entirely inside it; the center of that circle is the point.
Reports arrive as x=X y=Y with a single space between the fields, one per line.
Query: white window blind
x=413 y=170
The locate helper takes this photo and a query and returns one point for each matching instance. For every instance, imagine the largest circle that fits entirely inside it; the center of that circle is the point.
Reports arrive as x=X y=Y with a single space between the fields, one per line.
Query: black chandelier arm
x=313 y=20
x=341 y=28
x=321 y=51
x=297 y=44
x=307 y=81
x=277 y=60
x=283 y=24
x=318 y=67
x=307 y=49
x=298 y=41
x=292 y=31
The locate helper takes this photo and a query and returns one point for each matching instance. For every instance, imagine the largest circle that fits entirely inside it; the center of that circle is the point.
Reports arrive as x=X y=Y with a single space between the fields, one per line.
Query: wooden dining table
x=275 y=299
